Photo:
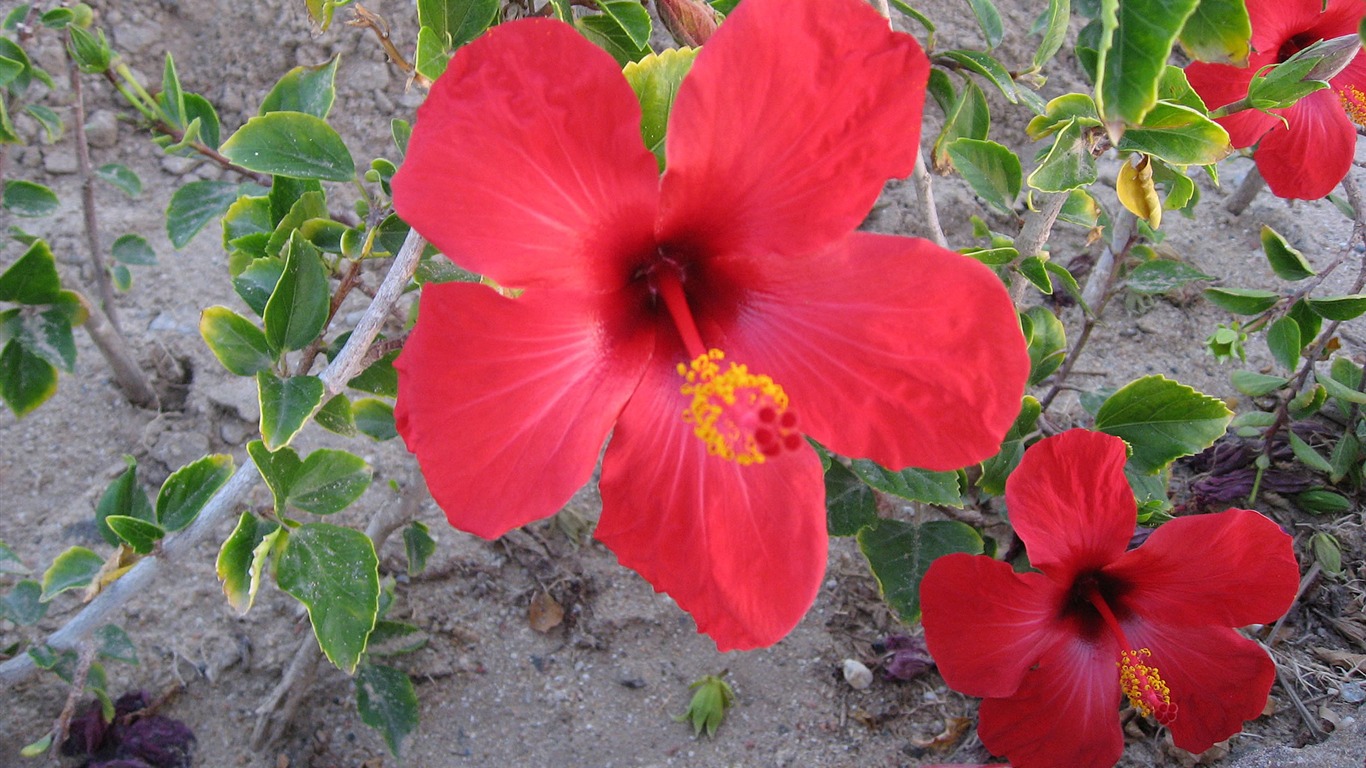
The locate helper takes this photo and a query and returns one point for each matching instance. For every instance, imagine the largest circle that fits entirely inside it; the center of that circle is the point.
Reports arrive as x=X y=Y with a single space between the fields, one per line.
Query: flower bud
x=1336 y=54
x=690 y=22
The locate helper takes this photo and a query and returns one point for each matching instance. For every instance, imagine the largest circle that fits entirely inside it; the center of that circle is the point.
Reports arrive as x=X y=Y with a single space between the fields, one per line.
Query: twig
x=344 y=367
x=1247 y=191
x=1037 y=227
x=1309 y=720
x=73 y=696
x=367 y=19
x=127 y=373
x=1273 y=637
x=924 y=197
x=92 y=229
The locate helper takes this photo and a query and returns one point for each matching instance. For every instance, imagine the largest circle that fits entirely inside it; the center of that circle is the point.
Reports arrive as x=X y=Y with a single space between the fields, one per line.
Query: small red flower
x=707 y=318
x=1054 y=652
x=1308 y=158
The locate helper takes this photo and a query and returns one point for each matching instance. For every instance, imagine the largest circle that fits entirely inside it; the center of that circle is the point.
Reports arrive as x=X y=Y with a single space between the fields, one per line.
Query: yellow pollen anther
x=741 y=416
x=1146 y=691
x=1354 y=102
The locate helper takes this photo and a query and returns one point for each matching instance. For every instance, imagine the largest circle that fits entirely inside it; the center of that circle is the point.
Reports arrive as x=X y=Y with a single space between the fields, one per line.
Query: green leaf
x=632 y=17
x=419 y=546
x=1339 y=390
x=242 y=558
x=430 y=58
x=51 y=121
x=334 y=572
x=987 y=66
x=849 y=502
x=285 y=405
x=1062 y=111
x=456 y=22
x=1307 y=455
x=25 y=198
x=387 y=702
x=133 y=249
x=335 y=416
x=1035 y=270
x=1218 y=31
x=124 y=497
x=257 y=282
x=328 y=481
x=310 y=90
x=969 y=118
x=1283 y=337
x=655 y=80
x=1162 y=420
x=114 y=644
x=236 y=341
x=202 y=114
x=1286 y=262
x=277 y=468
x=989 y=19
x=393 y=638
x=1255 y=384
x=1346 y=455
x=375 y=418
x=123 y=279
x=305 y=205
x=140 y=535
x=1047 y=343
x=187 y=490
x=1321 y=501
x=1068 y=164
x=912 y=484
x=24 y=605
x=33 y=279
x=292 y=144
x=616 y=32
x=1054 y=31
x=1177 y=134
x=378 y=378
x=1131 y=65
x=196 y=204
x=10 y=562
x=1339 y=307
x=73 y=569
x=297 y=310
x=996 y=469
x=171 y=98
x=26 y=380
x=992 y=170
x=1160 y=276
x=46 y=334
x=1243 y=301
x=899 y=553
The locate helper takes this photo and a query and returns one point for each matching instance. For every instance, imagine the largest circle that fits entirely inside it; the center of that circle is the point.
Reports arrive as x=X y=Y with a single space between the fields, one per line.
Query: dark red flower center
x=741 y=416
x=1294 y=45
x=1140 y=681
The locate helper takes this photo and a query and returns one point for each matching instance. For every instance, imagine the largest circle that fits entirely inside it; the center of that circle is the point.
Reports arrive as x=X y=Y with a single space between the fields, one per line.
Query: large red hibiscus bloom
x=1054 y=652
x=707 y=318
x=1308 y=157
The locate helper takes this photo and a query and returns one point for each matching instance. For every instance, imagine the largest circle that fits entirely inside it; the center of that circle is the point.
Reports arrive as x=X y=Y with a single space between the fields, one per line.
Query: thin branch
x=1247 y=191
x=224 y=503
x=924 y=198
x=92 y=228
x=114 y=348
x=73 y=697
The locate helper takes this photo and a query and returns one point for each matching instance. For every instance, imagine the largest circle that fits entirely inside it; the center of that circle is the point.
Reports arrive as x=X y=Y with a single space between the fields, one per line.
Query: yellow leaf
x=1136 y=191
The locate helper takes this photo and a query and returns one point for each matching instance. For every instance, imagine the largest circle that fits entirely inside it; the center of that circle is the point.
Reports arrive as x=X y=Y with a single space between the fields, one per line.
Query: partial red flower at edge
x=1054 y=652
x=1306 y=160
x=527 y=165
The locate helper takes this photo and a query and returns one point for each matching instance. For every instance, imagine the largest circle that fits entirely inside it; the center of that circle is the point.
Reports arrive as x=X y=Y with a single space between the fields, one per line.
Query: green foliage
x=387 y=702
x=334 y=572
x=991 y=169
x=310 y=90
x=1286 y=262
x=1134 y=55
x=196 y=204
x=25 y=198
x=712 y=696
x=912 y=483
x=1218 y=30
x=899 y=553
x=293 y=144
x=849 y=502
x=419 y=545
x=123 y=498
x=1047 y=342
x=622 y=29
x=73 y=569
x=243 y=557
x=298 y=307
x=1162 y=420
x=1243 y=301
x=189 y=488
x=655 y=80
x=286 y=405
x=236 y=341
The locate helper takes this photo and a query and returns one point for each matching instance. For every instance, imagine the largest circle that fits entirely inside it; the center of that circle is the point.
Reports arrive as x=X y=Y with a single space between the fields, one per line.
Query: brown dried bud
x=690 y=22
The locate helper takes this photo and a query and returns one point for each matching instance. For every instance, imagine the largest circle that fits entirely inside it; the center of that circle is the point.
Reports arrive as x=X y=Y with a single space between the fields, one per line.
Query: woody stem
x=671 y=291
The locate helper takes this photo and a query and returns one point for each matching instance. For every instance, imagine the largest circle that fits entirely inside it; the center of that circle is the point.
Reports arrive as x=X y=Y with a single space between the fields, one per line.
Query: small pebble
x=858 y=676
x=1353 y=693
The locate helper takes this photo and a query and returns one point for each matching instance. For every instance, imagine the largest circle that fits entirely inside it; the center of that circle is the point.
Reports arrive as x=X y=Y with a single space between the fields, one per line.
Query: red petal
x=1276 y=22
x=1228 y=569
x=890 y=348
x=526 y=163
x=740 y=548
x=1217 y=678
x=1064 y=713
x=1307 y=160
x=985 y=625
x=507 y=402
x=1071 y=504
x=791 y=119
x=1220 y=85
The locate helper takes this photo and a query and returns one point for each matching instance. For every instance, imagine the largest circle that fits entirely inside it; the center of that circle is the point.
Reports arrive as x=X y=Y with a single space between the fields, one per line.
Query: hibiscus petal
x=1071 y=504
x=1065 y=712
x=791 y=119
x=985 y=624
x=1308 y=159
x=740 y=548
x=890 y=348
x=1220 y=85
x=527 y=165
x=1217 y=678
x=507 y=402
x=1229 y=569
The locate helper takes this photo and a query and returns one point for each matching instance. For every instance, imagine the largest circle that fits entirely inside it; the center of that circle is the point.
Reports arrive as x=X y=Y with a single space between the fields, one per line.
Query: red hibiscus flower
x=707 y=318
x=1309 y=157
x=1054 y=652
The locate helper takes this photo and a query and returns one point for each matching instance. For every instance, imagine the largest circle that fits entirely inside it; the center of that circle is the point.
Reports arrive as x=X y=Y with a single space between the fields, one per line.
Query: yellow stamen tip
x=740 y=416
x=1144 y=686
x=1354 y=102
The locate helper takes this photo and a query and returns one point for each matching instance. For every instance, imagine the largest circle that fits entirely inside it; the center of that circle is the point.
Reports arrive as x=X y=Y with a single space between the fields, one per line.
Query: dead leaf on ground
x=1344 y=660
x=953 y=732
x=544 y=614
